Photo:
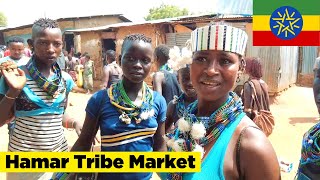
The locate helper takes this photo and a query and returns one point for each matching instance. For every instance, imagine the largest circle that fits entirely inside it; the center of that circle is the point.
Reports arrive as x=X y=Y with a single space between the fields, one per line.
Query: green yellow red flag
x=286 y=22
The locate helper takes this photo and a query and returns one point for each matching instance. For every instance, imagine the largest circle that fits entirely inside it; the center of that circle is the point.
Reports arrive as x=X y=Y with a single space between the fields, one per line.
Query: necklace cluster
x=166 y=68
x=195 y=132
x=311 y=147
x=180 y=105
x=128 y=110
x=53 y=87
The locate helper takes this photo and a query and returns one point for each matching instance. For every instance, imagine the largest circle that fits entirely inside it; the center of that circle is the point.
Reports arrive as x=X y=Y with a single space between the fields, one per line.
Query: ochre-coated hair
x=253 y=67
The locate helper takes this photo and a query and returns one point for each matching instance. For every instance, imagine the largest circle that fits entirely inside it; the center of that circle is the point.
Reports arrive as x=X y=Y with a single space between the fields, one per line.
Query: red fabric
x=82 y=60
x=7 y=53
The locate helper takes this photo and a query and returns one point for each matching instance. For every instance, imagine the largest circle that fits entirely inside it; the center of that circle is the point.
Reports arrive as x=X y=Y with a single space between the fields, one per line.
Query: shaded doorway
x=68 y=41
x=108 y=44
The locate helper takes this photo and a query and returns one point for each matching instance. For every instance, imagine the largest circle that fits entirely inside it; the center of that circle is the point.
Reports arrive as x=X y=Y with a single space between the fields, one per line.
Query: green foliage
x=3 y=20
x=166 y=11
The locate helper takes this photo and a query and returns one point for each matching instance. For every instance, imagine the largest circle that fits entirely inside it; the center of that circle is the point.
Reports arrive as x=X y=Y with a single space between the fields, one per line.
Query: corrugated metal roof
x=192 y=18
x=67 y=18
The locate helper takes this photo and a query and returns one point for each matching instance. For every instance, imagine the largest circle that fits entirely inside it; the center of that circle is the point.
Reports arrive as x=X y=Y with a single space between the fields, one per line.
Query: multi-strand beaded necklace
x=180 y=105
x=310 y=152
x=128 y=110
x=193 y=132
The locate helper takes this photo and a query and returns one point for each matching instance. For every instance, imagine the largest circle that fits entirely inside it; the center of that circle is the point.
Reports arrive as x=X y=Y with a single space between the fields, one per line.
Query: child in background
x=178 y=105
x=88 y=74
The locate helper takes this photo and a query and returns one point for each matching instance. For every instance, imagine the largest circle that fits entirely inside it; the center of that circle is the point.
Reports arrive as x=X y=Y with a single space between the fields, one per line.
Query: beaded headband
x=219 y=37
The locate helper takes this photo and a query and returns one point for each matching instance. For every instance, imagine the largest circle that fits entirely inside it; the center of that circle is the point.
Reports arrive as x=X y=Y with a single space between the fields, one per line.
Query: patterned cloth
x=52 y=87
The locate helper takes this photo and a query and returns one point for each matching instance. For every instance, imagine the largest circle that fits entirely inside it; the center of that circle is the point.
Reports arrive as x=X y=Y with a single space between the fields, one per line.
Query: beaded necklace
x=310 y=152
x=128 y=110
x=52 y=87
x=165 y=67
x=195 y=132
x=180 y=105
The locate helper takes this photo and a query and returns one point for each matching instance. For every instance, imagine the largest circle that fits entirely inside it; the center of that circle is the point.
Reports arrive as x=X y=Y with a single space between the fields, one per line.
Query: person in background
x=254 y=70
x=35 y=96
x=62 y=62
x=79 y=74
x=16 y=51
x=316 y=84
x=88 y=74
x=130 y=115
x=179 y=104
x=112 y=71
x=316 y=65
x=2 y=49
x=29 y=42
x=82 y=59
x=231 y=145
x=66 y=59
x=7 y=51
x=164 y=81
x=27 y=52
x=72 y=67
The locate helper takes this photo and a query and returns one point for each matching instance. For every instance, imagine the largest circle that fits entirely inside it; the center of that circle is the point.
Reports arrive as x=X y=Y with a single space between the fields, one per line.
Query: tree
x=3 y=20
x=166 y=11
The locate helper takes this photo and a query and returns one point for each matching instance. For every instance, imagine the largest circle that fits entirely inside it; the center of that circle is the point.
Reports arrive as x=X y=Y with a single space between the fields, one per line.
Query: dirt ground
x=294 y=111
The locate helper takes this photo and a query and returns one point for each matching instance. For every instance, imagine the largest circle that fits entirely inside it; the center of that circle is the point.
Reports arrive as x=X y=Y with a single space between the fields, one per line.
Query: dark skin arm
x=15 y=80
x=258 y=158
x=169 y=121
x=87 y=135
x=69 y=122
x=6 y=109
x=159 y=143
x=76 y=89
x=158 y=79
x=247 y=98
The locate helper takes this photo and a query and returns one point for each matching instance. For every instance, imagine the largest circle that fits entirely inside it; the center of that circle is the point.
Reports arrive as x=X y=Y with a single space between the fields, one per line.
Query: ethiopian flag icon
x=286 y=22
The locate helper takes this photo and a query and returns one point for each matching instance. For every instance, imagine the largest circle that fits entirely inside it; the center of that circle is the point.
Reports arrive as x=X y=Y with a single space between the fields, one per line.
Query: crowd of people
x=191 y=105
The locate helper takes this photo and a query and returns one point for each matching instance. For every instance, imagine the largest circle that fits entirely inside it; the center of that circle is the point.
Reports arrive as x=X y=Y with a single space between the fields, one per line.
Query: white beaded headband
x=219 y=37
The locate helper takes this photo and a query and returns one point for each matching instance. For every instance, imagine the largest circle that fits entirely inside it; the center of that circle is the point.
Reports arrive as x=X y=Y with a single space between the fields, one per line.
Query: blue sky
x=21 y=12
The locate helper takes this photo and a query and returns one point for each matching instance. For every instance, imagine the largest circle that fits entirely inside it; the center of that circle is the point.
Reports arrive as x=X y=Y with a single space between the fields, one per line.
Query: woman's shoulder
x=101 y=94
x=254 y=143
x=158 y=98
x=252 y=139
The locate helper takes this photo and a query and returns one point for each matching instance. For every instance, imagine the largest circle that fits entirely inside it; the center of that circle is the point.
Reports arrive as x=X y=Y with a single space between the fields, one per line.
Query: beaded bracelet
x=8 y=97
x=72 y=126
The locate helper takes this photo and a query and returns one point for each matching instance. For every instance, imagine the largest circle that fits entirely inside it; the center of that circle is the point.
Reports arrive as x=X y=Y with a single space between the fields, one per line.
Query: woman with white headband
x=232 y=146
